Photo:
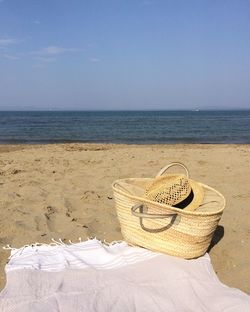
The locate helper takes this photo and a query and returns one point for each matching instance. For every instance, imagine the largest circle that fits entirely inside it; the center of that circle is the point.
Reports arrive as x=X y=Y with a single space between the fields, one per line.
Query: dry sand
x=65 y=191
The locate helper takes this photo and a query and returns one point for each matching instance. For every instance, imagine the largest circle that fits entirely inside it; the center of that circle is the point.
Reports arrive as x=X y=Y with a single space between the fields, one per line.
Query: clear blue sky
x=124 y=54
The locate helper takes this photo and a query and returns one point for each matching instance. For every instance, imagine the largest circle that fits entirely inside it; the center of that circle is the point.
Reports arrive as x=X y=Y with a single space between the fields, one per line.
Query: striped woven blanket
x=94 y=277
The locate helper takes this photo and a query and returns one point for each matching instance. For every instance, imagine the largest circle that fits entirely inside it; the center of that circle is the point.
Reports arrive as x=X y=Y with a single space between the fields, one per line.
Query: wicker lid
x=175 y=190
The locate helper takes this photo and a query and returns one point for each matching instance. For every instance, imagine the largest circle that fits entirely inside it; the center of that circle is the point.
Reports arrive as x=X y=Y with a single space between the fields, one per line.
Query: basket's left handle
x=164 y=169
x=141 y=214
x=121 y=188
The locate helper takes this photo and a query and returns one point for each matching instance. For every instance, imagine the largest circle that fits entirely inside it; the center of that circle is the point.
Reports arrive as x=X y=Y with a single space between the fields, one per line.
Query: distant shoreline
x=107 y=146
x=115 y=143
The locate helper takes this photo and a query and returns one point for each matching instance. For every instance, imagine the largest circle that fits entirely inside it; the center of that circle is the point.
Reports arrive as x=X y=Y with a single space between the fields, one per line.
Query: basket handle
x=143 y=214
x=164 y=169
x=122 y=188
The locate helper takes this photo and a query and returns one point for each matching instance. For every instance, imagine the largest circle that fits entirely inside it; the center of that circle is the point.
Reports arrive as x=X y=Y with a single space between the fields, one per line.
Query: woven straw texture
x=181 y=233
x=171 y=194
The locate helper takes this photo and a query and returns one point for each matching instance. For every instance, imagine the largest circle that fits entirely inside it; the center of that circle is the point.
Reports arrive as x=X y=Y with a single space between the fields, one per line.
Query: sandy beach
x=64 y=191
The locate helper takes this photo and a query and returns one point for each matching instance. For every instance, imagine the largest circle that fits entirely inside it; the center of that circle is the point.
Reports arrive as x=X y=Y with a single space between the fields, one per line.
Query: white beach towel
x=93 y=277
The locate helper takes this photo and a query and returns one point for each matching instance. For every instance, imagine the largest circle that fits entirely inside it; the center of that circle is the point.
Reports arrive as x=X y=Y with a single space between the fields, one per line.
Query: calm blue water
x=126 y=127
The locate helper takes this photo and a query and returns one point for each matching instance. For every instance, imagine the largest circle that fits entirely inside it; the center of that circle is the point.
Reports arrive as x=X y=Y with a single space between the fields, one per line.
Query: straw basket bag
x=145 y=221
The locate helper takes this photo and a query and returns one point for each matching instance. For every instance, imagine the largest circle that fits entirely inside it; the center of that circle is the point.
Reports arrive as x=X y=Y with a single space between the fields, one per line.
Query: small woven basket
x=159 y=227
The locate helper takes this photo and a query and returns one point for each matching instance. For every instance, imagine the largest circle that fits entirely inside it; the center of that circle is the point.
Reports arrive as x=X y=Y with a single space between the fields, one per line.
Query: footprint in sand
x=41 y=224
x=244 y=196
x=4 y=240
x=202 y=162
x=68 y=206
x=50 y=218
x=90 y=196
x=21 y=224
x=65 y=163
x=10 y=172
x=152 y=162
x=91 y=162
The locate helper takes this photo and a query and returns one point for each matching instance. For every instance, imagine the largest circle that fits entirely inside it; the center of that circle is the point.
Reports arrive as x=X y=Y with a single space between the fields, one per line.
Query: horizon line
x=124 y=110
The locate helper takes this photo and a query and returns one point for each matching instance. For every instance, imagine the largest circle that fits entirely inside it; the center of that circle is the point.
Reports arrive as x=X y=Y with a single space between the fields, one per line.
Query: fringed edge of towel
x=18 y=251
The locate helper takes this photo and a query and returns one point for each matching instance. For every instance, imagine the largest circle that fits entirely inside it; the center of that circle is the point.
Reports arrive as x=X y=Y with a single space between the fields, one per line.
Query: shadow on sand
x=218 y=235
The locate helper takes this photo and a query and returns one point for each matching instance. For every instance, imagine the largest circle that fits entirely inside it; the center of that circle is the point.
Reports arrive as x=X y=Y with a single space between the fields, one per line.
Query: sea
x=130 y=127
